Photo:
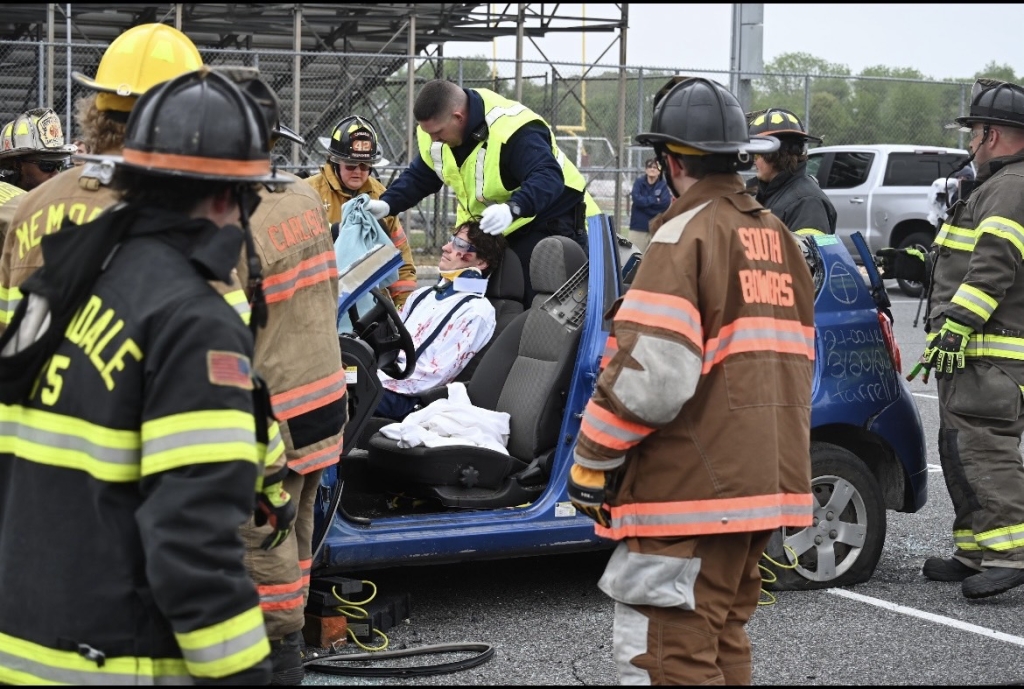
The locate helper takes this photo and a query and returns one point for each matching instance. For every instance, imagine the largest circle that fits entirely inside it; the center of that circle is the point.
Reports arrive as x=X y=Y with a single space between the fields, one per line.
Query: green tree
x=1003 y=72
x=786 y=78
x=793 y=79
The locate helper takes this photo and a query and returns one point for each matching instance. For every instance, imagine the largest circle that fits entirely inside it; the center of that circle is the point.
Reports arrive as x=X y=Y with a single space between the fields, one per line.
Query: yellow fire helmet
x=36 y=133
x=140 y=58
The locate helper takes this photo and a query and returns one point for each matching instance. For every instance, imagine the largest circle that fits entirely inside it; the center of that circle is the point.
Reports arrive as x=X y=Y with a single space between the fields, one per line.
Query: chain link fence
x=588 y=107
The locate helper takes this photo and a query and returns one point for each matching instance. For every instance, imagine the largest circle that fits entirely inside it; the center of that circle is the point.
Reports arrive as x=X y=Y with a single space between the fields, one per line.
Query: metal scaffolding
x=40 y=44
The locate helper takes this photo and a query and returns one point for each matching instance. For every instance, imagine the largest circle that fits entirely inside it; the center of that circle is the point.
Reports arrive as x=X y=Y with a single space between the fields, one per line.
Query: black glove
x=947 y=351
x=903 y=264
x=586 y=491
x=274 y=506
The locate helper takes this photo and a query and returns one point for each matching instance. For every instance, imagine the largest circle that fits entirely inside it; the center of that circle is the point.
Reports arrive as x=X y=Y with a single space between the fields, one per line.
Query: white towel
x=452 y=421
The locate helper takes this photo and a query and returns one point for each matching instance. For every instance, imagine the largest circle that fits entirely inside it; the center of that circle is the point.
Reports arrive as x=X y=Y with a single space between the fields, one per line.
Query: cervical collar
x=445 y=286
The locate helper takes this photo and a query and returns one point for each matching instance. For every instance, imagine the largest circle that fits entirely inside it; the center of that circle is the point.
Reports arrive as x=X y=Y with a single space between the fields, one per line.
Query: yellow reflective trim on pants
x=1004 y=228
x=198 y=437
x=964 y=540
x=959 y=238
x=227 y=647
x=44 y=437
x=24 y=662
x=1003 y=538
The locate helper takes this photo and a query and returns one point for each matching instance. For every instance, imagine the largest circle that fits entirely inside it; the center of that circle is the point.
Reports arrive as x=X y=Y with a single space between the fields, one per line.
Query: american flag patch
x=229 y=368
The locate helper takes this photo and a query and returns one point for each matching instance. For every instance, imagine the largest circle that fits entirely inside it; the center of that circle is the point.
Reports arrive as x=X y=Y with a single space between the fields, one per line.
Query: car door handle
x=856 y=199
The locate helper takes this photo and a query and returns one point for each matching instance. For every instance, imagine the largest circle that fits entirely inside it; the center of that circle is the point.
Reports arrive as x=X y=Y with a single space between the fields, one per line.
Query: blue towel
x=359 y=234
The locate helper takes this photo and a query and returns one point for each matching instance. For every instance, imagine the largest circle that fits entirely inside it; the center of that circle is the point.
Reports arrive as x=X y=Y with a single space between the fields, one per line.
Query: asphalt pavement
x=549 y=624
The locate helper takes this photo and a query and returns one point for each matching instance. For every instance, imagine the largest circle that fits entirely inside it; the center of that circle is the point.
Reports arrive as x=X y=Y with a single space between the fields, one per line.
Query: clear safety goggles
x=461 y=244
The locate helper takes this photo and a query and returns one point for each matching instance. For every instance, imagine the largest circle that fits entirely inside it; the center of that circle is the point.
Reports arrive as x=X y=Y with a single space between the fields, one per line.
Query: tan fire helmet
x=35 y=134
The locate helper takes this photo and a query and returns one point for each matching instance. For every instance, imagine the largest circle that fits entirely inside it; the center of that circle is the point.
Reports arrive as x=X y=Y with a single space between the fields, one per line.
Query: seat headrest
x=507 y=281
x=554 y=260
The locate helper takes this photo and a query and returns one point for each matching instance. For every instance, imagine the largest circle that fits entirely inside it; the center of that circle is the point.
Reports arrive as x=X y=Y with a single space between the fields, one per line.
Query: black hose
x=484 y=653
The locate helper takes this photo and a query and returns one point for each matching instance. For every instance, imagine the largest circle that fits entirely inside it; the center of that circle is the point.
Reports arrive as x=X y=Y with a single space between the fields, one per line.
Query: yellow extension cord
x=766 y=596
x=354 y=610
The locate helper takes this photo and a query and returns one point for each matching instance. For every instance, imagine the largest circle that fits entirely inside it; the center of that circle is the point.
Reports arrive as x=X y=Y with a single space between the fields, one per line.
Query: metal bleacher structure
x=343 y=58
x=345 y=53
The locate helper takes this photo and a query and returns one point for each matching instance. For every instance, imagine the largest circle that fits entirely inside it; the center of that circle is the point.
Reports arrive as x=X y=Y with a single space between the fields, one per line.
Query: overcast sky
x=939 y=40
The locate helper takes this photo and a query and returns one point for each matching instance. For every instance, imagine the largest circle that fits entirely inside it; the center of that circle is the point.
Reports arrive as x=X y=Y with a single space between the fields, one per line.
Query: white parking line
x=939 y=619
x=921 y=394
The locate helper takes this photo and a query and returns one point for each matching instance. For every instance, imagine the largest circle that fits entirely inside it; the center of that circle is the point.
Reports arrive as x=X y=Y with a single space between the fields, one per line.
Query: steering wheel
x=382 y=328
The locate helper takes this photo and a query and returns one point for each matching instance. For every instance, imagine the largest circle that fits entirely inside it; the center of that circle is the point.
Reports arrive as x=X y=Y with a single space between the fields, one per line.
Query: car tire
x=921 y=240
x=841 y=548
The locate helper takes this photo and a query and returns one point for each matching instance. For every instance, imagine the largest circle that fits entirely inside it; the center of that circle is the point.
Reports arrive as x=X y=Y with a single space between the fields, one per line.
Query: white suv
x=882 y=190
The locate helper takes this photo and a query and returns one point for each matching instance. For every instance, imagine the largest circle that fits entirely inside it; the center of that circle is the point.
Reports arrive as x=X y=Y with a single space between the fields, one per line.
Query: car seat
x=526 y=373
x=505 y=292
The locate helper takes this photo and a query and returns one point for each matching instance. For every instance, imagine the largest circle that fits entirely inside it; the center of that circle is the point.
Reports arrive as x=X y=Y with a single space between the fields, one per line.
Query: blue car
x=386 y=505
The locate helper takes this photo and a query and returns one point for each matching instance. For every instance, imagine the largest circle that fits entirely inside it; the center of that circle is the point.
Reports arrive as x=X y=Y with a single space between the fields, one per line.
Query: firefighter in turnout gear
x=352 y=151
x=783 y=185
x=696 y=442
x=300 y=283
x=976 y=348
x=138 y=59
x=132 y=426
x=32 y=149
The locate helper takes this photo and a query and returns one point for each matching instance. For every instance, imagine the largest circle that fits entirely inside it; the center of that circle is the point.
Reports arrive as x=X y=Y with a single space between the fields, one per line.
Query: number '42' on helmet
x=354 y=140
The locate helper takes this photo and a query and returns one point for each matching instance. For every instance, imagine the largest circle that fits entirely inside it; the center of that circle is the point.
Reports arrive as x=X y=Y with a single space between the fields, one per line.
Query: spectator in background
x=650 y=196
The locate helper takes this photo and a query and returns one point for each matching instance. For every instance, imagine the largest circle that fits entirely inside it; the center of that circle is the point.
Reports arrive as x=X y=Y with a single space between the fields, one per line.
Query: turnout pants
x=681 y=606
x=980 y=425
x=282 y=574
